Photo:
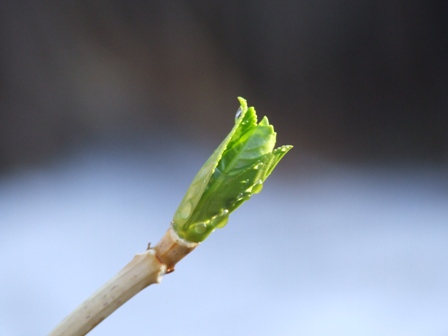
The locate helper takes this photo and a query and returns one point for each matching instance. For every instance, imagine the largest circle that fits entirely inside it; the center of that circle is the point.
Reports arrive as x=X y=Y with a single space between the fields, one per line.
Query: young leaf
x=236 y=170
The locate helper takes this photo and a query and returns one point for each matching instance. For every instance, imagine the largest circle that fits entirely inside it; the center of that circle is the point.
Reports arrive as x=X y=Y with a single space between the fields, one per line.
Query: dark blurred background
x=352 y=80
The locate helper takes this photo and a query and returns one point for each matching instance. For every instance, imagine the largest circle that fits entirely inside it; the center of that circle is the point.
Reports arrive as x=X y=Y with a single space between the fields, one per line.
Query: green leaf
x=236 y=170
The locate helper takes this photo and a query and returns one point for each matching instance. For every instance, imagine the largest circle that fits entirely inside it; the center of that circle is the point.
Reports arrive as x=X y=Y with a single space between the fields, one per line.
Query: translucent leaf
x=236 y=170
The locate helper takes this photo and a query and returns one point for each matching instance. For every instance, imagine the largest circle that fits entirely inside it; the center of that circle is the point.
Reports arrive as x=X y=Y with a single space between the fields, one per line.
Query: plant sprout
x=236 y=170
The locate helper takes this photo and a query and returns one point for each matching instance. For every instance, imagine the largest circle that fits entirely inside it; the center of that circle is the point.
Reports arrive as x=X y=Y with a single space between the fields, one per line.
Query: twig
x=236 y=170
x=145 y=269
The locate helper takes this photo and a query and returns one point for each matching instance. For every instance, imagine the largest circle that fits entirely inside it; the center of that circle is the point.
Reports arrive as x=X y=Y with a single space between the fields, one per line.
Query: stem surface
x=145 y=269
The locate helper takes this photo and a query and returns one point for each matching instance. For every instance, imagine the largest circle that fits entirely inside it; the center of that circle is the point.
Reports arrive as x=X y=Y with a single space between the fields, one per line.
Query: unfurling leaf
x=236 y=170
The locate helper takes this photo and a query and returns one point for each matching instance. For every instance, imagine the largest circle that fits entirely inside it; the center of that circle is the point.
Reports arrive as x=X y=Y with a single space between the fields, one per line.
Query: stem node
x=171 y=249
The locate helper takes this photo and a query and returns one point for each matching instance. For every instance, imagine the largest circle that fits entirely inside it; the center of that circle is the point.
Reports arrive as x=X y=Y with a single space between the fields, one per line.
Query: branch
x=236 y=170
x=145 y=269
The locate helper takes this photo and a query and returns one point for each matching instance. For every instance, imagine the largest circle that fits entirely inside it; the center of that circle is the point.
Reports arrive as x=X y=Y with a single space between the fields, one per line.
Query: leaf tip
x=243 y=103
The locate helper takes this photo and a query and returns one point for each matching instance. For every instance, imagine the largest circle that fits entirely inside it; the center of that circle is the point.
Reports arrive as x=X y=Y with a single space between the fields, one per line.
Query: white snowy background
x=326 y=249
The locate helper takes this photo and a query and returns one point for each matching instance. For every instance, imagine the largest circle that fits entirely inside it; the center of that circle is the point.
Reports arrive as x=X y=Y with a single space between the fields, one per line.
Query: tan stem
x=145 y=269
x=171 y=249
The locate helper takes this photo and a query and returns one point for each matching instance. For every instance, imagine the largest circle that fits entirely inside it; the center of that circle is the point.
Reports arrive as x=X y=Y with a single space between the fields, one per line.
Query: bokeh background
x=108 y=108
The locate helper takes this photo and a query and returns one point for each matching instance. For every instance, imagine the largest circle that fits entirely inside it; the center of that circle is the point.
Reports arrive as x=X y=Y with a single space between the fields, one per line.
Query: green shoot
x=235 y=171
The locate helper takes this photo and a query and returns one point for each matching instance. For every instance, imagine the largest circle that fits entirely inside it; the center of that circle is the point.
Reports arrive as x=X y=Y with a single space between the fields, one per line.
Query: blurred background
x=108 y=108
